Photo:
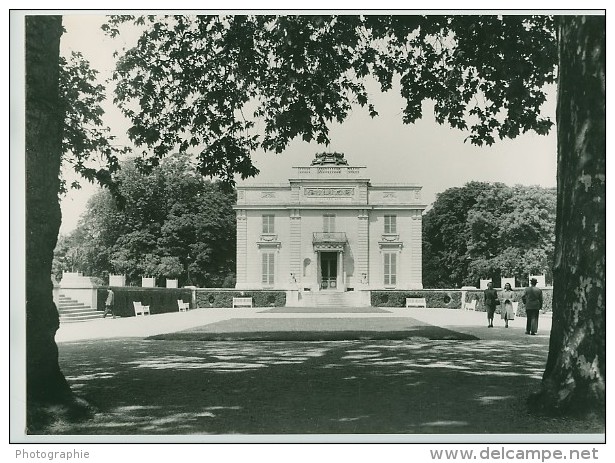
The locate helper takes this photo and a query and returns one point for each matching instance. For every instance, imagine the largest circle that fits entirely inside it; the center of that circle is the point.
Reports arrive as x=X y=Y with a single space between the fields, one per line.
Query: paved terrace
x=466 y=322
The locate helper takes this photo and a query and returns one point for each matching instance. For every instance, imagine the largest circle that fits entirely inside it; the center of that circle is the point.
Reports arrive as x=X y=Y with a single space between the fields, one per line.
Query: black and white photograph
x=309 y=226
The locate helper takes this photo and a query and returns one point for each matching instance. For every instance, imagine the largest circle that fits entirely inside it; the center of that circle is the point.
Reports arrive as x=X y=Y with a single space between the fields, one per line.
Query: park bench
x=470 y=305
x=141 y=309
x=242 y=302
x=183 y=306
x=416 y=302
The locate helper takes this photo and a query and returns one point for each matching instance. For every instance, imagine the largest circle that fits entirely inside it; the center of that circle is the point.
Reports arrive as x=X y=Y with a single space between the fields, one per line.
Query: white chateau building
x=329 y=230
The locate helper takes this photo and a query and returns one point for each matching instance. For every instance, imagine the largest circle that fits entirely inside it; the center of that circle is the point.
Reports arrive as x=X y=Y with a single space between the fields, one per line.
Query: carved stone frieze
x=328 y=192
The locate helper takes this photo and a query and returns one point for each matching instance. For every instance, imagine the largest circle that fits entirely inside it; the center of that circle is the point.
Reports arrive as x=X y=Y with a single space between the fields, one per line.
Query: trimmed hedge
x=547 y=299
x=160 y=300
x=224 y=298
x=450 y=299
x=163 y=300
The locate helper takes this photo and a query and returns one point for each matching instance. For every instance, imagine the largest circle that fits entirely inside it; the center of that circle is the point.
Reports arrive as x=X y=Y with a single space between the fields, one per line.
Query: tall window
x=268 y=220
x=390 y=224
x=390 y=268
x=268 y=258
x=328 y=225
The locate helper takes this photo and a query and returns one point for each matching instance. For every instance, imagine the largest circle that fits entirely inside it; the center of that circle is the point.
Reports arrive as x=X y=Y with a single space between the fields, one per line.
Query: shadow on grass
x=398 y=387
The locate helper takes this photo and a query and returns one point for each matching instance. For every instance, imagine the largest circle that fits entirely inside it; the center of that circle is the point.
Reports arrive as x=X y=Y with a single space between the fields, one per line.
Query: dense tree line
x=189 y=79
x=484 y=230
x=172 y=224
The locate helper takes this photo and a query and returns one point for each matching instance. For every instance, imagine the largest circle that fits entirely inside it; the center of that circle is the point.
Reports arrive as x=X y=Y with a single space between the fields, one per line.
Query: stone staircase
x=330 y=299
x=74 y=311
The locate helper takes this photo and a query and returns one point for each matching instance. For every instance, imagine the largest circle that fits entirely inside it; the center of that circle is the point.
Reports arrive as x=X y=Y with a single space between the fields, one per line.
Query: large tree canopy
x=445 y=239
x=201 y=83
x=484 y=230
x=87 y=145
x=173 y=224
x=511 y=233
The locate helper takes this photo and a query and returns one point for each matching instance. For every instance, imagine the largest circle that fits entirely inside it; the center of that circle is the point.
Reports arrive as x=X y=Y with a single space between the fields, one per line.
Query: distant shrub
x=380 y=299
x=229 y=281
x=97 y=281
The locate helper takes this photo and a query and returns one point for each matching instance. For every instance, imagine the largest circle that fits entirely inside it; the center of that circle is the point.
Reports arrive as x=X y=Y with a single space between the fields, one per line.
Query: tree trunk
x=45 y=383
x=575 y=374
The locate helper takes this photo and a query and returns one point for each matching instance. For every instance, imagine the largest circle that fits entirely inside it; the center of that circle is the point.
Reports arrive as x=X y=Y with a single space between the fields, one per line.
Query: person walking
x=508 y=312
x=491 y=300
x=532 y=298
x=109 y=304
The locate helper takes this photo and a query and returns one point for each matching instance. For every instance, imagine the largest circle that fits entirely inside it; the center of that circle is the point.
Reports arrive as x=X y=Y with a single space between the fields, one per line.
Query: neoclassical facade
x=329 y=230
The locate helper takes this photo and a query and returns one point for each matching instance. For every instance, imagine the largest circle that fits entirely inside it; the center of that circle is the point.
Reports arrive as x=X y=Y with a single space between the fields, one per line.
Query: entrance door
x=328 y=269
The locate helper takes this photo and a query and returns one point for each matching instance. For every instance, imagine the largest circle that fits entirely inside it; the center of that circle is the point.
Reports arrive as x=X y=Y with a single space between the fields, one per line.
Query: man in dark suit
x=532 y=298
x=491 y=300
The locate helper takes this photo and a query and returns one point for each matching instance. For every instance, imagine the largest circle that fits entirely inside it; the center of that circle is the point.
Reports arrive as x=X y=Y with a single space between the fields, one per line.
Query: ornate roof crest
x=335 y=159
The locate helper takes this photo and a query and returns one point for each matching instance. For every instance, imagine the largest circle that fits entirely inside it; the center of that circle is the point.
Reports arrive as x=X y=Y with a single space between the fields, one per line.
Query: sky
x=425 y=153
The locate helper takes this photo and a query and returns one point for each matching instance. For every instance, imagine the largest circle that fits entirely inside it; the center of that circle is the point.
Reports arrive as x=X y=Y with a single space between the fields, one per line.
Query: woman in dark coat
x=491 y=300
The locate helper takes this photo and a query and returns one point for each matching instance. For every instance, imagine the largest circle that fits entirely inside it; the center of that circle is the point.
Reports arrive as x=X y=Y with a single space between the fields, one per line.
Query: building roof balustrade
x=329 y=171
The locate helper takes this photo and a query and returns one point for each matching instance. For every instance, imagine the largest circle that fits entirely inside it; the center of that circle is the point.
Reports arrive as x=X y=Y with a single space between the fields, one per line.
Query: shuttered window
x=268 y=223
x=390 y=268
x=390 y=224
x=268 y=270
x=328 y=224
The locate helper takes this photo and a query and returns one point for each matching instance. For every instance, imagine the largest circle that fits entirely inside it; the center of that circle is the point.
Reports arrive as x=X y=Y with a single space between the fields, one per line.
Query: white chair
x=141 y=309
x=183 y=306
x=515 y=308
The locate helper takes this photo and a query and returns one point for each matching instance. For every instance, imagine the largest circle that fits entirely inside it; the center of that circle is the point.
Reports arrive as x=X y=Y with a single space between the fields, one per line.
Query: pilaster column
x=341 y=281
x=416 y=254
x=242 y=247
x=318 y=271
x=296 y=264
x=362 y=251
